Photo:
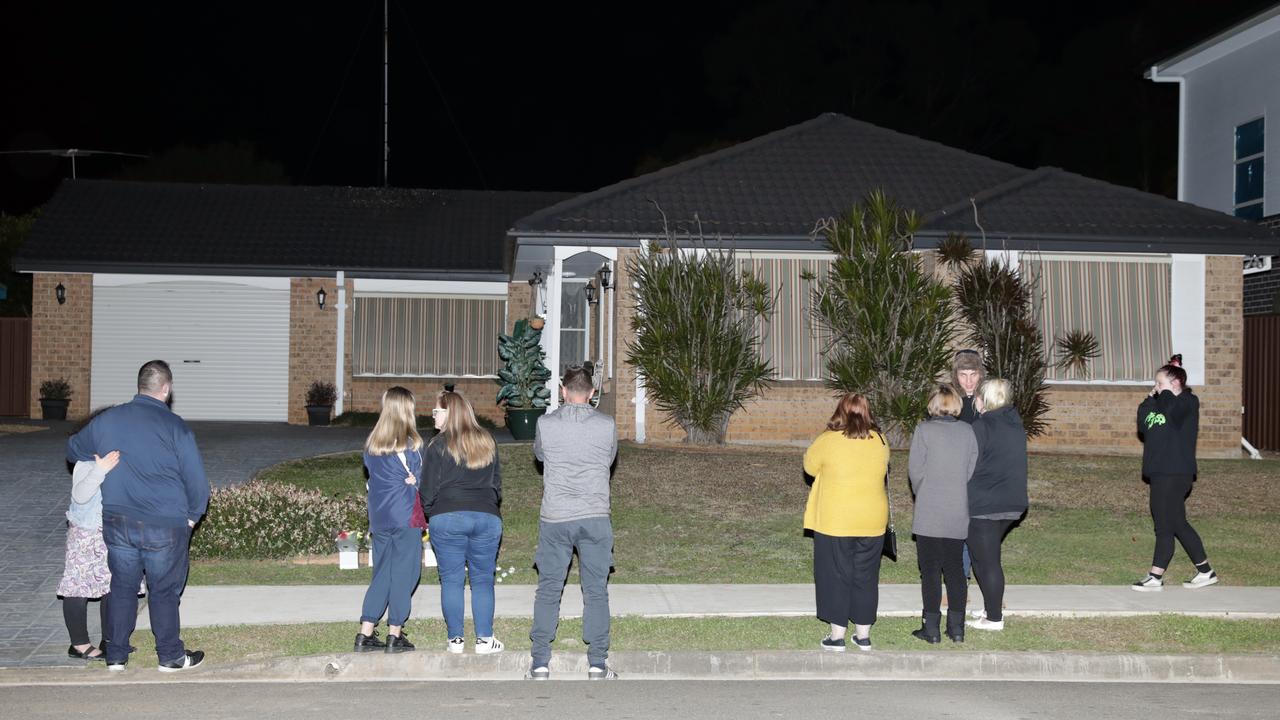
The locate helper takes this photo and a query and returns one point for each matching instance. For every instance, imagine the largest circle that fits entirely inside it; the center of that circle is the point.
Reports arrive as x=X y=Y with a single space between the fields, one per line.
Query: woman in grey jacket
x=943 y=455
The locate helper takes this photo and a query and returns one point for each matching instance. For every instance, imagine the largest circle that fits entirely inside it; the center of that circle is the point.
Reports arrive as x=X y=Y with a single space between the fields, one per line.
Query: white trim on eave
x=1219 y=46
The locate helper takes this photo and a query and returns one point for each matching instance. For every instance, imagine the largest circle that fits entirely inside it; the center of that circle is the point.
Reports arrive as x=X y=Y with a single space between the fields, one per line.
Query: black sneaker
x=833 y=645
x=863 y=644
x=189 y=660
x=399 y=643
x=369 y=643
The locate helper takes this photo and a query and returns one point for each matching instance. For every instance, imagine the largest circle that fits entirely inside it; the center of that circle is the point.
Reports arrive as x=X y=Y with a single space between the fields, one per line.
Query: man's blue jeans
x=466 y=543
x=134 y=548
x=593 y=539
x=397 y=567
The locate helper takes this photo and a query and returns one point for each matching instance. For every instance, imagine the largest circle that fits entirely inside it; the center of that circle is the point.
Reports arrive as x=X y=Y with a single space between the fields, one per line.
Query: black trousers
x=1169 y=513
x=984 y=541
x=846 y=578
x=940 y=558
x=75 y=614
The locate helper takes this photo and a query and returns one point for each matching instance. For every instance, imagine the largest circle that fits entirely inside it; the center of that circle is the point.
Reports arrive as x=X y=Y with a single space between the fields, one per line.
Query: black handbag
x=890 y=548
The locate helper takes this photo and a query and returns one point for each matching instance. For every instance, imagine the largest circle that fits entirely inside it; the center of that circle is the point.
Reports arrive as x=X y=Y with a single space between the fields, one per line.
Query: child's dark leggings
x=1169 y=512
x=75 y=613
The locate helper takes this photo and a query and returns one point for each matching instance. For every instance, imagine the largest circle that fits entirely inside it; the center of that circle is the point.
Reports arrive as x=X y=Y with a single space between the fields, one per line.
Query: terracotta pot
x=536 y=323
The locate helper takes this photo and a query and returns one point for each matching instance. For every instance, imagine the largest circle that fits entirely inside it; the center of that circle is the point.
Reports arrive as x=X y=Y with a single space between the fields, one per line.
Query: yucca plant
x=697 y=335
x=955 y=251
x=1076 y=350
x=889 y=322
x=995 y=302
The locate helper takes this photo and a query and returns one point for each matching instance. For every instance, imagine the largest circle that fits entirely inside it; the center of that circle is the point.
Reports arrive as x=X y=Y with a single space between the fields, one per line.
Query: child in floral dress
x=86 y=575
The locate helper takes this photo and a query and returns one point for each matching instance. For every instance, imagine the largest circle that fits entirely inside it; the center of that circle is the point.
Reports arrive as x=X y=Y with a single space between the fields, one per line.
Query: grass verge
x=685 y=515
x=1153 y=634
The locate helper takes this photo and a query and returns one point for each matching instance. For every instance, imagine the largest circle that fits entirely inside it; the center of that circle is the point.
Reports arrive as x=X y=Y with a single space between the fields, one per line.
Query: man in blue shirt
x=150 y=503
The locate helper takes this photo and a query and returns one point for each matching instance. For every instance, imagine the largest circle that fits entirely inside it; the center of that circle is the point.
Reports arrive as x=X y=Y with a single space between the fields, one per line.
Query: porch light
x=590 y=290
x=537 y=278
x=60 y=292
x=320 y=296
x=605 y=273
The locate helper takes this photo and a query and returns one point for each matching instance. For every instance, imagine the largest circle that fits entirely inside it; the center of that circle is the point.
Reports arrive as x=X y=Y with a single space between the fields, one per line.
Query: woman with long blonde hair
x=462 y=497
x=393 y=461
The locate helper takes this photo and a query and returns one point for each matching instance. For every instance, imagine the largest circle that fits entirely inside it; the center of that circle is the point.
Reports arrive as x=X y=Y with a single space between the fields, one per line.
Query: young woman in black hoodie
x=997 y=494
x=1168 y=423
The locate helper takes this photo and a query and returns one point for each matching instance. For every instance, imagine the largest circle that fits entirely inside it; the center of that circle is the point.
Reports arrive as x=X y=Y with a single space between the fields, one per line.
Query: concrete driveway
x=35 y=489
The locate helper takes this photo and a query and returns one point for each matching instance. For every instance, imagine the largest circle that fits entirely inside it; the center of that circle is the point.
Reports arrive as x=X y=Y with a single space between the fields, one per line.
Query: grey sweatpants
x=593 y=539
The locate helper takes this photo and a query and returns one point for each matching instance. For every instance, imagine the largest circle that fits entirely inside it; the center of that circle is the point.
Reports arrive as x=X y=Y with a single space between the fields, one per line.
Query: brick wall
x=1222 y=394
x=1262 y=290
x=62 y=338
x=366 y=393
x=313 y=333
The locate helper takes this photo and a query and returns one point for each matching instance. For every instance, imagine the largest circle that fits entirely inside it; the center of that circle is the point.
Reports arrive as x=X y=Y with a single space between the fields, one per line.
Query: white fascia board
x=366 y=286
x=1221 y=45
x=120 y=279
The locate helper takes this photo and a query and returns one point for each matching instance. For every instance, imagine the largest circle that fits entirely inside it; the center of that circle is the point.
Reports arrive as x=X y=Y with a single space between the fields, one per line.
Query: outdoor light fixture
x=320 y=296
x=60 y=292
x=590 y=290
x=537 y=278
x=605 y=273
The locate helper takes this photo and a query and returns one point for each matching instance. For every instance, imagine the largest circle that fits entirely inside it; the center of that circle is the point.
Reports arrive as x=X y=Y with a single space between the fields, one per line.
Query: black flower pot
x=53 y=409
x=524 y=423
x=319 y=414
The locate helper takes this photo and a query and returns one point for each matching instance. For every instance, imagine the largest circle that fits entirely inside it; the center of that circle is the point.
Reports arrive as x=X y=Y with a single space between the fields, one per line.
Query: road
x=669 y=700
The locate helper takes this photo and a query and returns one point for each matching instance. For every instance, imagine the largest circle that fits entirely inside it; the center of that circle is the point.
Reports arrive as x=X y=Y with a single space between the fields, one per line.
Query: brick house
x=1148 y=275
x=249 y=291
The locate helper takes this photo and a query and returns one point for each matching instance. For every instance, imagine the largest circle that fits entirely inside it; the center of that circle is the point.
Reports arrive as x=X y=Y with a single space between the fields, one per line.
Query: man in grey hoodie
x=577 y=446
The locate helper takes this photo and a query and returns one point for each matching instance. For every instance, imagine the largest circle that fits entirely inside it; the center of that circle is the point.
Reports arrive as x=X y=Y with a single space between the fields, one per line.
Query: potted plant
x=320 y=399
x=55 y=395
x=523 y=380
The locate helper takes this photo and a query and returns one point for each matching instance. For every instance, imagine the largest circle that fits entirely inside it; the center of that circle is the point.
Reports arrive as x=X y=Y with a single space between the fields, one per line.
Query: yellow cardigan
x=847 y=498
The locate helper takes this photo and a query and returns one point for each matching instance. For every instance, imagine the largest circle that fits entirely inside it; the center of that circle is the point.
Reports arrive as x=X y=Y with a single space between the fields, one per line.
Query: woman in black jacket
x=461 y=496
x=997 y=494
x=1169 y=423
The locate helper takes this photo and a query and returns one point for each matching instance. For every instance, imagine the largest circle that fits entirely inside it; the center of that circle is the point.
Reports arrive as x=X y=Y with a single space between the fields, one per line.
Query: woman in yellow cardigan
x=847 y=512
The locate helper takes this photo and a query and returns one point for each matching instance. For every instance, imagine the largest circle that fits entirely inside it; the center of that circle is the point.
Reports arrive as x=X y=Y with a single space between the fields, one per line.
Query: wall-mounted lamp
x=605 y=274
x=537 y=278
x=590 y=290
x=60 y=292
x=320 y=297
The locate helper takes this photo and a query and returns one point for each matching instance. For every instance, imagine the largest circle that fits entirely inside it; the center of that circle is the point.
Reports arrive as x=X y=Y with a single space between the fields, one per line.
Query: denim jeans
x=397 y=566
x=466 y=543
x=134 y=548
x=593 y=539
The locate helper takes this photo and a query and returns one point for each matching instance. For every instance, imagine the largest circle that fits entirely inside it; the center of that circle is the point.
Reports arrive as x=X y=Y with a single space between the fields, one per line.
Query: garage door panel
x=228 y=346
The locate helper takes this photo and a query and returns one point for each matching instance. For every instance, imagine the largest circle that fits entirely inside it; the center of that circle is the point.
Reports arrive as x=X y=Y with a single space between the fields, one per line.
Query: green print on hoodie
x=1154 y=419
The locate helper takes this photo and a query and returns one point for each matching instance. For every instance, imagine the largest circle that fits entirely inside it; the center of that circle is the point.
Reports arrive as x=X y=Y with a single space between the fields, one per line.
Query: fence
x=1262 y=381
x=15 y=366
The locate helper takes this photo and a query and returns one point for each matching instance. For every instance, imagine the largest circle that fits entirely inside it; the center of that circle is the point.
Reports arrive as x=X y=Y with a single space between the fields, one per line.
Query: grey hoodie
x=944 y=452
x=577 y=446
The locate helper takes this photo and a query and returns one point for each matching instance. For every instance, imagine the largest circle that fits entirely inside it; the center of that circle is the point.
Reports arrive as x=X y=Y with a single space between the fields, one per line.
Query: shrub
x=322 y=394
x=58 y=389
x=524 y=379
x=890 y=323
x=697 y=336
x=261 y=520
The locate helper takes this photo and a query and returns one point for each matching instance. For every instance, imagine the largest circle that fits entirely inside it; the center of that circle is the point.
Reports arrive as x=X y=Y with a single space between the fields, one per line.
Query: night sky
x=573 y=96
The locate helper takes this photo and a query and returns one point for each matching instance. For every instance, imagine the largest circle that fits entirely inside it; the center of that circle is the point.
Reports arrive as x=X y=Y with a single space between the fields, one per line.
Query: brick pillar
x=519 y=303
x=1221 y=396
x=313 y=335
x=624 y=374
x=62 y=338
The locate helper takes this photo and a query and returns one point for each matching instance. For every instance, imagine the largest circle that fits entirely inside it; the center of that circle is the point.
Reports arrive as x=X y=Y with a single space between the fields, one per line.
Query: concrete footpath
x=207 y=605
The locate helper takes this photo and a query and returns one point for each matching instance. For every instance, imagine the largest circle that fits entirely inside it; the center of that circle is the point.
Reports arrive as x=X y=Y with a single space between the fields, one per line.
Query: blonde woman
x=462 y=496
x=393 y=460
x=848 y=511
x=997 y=494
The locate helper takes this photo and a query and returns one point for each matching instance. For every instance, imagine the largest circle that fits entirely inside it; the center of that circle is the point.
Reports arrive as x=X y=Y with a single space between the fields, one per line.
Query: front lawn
x=732 y=515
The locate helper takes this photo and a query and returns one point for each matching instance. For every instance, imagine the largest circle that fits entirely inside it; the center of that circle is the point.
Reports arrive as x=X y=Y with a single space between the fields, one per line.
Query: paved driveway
x=35 y=489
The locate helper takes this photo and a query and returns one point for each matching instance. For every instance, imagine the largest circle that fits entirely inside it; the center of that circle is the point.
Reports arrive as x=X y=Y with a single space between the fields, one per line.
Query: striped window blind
x=409 y=336
x=1124 y=303
x=792 y=341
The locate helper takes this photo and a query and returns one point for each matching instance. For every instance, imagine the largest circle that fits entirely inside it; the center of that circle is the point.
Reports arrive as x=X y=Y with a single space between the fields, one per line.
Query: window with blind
x=1123 y=302
x=411 y=336
x=792 y=341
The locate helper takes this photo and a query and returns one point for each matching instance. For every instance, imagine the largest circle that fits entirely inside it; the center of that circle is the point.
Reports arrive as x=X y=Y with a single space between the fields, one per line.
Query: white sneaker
x=1150 y=583
x=488 y=646
x=977 y=614
x=456 y=645
x=985 y=624
x=1201 y=580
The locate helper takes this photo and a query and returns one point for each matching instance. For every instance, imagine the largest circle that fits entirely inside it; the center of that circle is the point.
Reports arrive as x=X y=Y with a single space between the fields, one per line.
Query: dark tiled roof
x=105 y=226
x=779 y=184
x=769 y=193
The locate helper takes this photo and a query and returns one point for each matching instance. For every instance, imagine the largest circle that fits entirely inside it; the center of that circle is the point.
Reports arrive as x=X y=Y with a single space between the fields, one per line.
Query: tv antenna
x=72 y=153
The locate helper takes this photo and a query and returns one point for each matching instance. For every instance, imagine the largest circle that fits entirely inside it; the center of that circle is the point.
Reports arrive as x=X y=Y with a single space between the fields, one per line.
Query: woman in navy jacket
x=393 y=459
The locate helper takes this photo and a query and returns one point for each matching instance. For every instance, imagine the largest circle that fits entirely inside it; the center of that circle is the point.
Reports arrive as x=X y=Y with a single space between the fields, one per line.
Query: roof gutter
x=74 y=266
x=1182 y=124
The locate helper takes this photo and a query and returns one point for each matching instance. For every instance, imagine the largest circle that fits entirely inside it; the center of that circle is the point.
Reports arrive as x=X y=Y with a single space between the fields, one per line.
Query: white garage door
x=226 y=339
